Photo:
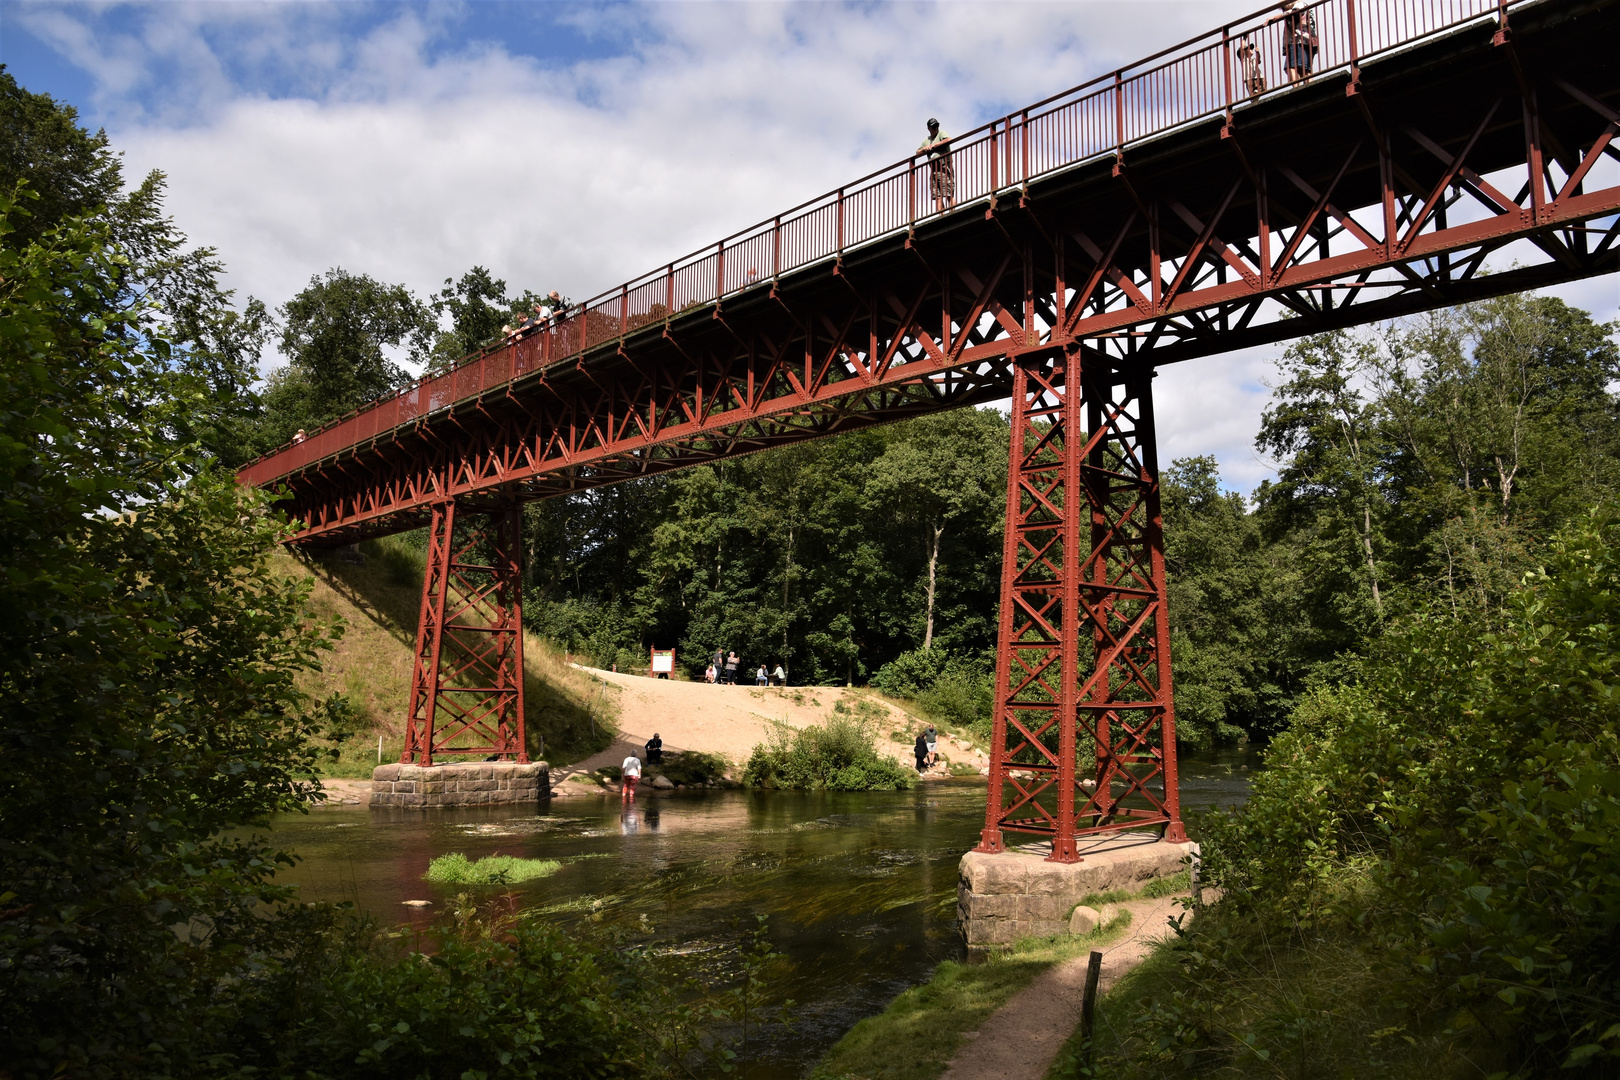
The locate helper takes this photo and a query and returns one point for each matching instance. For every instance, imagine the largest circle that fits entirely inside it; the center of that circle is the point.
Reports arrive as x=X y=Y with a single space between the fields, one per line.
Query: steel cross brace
x=1083 y=735
x=467 y=676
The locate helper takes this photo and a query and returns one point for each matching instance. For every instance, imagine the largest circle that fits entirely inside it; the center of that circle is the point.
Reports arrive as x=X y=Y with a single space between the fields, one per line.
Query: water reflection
x=860 y=889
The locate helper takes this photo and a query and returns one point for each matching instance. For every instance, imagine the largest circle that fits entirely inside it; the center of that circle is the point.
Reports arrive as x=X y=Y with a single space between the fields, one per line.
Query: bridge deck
x=1155 y=215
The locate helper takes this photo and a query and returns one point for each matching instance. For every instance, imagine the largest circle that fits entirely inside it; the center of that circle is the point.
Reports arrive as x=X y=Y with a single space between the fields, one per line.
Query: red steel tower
x=1084 y=725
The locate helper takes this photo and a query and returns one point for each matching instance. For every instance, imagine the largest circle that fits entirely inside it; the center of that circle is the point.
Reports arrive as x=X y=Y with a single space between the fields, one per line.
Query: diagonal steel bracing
x=1444 y=151
x=467 y=678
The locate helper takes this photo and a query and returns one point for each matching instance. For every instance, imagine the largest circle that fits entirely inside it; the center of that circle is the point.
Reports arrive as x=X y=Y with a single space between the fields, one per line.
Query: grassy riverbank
x=916 y=1037
x=921 y=1030
x=568 y=714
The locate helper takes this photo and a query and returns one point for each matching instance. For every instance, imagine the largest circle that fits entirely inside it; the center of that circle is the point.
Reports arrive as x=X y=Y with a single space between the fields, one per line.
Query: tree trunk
x=1372 y=564
x=933 y=574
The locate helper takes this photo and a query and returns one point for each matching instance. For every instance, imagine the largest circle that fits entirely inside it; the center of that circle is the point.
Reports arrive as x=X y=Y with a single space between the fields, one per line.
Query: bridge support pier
x=467 y=679
x=1084 y=723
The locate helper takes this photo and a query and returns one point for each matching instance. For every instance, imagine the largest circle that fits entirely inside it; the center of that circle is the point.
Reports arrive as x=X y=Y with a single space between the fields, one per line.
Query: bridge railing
x=1184 y=84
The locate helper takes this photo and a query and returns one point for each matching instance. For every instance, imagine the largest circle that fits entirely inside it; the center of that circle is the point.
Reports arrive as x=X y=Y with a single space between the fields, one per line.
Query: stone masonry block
x=1006 y=896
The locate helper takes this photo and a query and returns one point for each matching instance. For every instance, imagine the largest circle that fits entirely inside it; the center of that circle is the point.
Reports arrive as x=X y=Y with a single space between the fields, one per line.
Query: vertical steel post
x=429 y=638
x=467 y=680
x=1083 y=663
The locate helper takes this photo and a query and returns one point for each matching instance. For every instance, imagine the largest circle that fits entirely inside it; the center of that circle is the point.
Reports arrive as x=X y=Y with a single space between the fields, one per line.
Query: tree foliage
x=148 y=694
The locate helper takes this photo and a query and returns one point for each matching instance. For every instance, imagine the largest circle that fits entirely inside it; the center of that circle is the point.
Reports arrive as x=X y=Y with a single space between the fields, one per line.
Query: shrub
x=1447 y=824
x=838 y=756
x=497 y=998
x=456 y=869
x=950 y=689
x=695 y=767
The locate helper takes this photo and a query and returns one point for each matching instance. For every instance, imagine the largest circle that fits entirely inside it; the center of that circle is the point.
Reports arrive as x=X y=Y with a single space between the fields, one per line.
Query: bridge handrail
x=1185 y=83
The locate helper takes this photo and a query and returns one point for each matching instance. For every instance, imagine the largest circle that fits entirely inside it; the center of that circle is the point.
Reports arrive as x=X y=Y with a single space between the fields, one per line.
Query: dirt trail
x=1021 y=1039
x=731 y=720
x=724 y=720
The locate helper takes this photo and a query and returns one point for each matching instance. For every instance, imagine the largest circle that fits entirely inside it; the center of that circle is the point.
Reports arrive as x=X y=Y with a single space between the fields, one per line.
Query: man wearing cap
x=941 y=177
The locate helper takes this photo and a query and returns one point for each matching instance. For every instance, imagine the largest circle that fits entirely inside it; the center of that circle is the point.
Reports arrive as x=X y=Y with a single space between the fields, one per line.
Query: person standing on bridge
x=941 y=175
x=1299 y=39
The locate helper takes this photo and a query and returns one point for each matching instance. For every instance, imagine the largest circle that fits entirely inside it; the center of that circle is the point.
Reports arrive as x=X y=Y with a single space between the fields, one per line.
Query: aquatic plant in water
x=456 y=869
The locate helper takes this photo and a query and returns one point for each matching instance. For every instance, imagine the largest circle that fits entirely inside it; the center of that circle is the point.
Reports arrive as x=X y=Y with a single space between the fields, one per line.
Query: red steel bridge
x=1154 y=215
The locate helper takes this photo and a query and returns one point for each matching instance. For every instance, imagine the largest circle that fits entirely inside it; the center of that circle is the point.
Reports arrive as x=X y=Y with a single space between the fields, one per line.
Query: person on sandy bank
x=920 y=752
x=931 y=737
x=655 y=750
x=779 y=677
x=629 y=776
x=731 y=669
x=760 y=677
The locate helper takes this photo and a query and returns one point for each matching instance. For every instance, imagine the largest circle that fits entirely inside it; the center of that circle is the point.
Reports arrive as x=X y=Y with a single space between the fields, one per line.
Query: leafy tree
x=950 y=471
x=334 y=335
x=71 y=171
x=1322 y=426
x=149 y=685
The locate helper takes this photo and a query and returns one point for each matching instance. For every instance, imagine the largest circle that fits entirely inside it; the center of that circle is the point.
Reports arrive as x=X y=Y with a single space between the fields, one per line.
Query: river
x=859 y=888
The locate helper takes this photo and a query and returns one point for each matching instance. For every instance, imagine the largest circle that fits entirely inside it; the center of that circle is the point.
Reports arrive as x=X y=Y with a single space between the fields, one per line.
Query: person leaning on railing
x=941 y=176
x=1299 y=39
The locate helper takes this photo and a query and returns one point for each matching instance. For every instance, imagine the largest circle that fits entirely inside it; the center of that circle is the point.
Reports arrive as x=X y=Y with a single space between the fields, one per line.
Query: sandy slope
x=730 y=720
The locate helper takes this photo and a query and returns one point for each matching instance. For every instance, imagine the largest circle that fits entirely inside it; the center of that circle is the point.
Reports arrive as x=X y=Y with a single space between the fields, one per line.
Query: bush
x=1445 y=827
x=456 y=869
x=838 y=756
x=950 y=690
x=910 y=673
x=490 y=997
x=694 y=767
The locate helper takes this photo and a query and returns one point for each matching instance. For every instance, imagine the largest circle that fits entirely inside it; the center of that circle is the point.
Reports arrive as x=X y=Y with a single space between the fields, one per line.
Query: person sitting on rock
x=655 y=750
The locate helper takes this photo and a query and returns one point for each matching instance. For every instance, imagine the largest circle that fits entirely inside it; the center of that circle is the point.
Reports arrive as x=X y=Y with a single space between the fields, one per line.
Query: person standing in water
x=629 y=776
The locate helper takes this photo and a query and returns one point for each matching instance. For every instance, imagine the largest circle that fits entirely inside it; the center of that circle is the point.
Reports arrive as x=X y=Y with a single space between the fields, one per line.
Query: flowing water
x=859 y=888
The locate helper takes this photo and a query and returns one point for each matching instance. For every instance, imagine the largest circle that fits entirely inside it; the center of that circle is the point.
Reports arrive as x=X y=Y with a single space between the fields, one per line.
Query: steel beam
x=467 y=677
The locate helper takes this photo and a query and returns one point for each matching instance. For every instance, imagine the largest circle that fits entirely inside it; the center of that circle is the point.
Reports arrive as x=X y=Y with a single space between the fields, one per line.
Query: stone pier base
x=1016 y=894
x=481 y=783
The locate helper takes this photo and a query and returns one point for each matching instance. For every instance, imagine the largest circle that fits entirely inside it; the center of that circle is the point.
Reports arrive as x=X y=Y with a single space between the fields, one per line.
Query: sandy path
x=724 y=720
x=1021 y=1039
x=731 y=720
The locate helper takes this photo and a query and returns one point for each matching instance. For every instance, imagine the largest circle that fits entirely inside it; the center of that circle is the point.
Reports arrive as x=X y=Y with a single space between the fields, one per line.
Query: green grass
x=921 y=1030
x=456 y=869
x=1174 y=885
x=1300 y=1003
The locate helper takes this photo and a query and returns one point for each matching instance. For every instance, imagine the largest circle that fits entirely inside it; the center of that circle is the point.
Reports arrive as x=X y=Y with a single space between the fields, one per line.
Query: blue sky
x=573 y=146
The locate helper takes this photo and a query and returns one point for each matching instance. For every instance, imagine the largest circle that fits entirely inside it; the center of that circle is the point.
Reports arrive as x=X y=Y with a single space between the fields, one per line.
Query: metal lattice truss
x=1083 y=669
x=1250 y=236
x=467 y=679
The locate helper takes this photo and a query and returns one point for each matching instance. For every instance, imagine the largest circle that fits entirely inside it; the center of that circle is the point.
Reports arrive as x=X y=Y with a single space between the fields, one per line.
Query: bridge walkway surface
x=1442 y=151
